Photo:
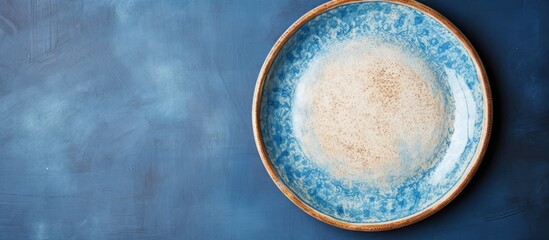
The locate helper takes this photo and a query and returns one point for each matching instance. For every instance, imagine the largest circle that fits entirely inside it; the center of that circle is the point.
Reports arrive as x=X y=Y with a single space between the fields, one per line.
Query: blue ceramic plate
x=371 y=115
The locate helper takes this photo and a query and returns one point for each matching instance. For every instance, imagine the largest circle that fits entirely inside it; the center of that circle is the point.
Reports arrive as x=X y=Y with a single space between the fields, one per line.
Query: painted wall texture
x=132 y=120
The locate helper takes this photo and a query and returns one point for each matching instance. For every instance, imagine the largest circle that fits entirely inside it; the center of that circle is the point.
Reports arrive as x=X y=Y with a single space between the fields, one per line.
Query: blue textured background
x=131 y=120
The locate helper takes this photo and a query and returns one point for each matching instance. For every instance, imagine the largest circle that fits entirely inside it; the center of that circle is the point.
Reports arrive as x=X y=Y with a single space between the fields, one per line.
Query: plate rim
x=418 y=216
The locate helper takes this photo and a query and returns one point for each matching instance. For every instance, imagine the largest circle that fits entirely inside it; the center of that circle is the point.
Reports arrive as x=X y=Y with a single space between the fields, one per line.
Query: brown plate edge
x=435 y=207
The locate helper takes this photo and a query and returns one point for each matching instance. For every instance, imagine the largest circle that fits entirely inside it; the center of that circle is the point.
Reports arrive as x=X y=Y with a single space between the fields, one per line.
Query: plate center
x=370 y=111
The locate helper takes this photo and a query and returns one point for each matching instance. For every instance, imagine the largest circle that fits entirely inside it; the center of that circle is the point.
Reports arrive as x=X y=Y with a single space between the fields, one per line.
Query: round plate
x=371 y=115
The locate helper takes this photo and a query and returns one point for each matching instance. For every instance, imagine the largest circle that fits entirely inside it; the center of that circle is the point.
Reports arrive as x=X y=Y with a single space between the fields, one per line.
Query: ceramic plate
x=371 y=115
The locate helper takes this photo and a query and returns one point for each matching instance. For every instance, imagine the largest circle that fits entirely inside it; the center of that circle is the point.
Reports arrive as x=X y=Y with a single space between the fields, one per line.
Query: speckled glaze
x=371 y=115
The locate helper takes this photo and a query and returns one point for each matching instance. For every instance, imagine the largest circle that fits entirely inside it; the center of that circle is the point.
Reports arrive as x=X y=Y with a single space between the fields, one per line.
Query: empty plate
x=371 y=115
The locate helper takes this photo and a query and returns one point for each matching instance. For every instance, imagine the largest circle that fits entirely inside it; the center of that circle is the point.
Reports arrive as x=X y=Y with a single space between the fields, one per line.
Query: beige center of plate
x=369 y=111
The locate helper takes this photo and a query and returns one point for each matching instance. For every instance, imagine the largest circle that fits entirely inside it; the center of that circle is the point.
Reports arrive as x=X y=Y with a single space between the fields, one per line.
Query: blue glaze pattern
x=362 y=202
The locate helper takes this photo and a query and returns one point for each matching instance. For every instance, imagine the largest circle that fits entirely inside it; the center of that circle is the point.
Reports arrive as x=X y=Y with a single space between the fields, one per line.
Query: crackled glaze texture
x=371 y=112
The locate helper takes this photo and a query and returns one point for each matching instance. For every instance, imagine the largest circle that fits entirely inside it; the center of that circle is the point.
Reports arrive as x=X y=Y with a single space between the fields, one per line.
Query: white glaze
x=368 y=110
